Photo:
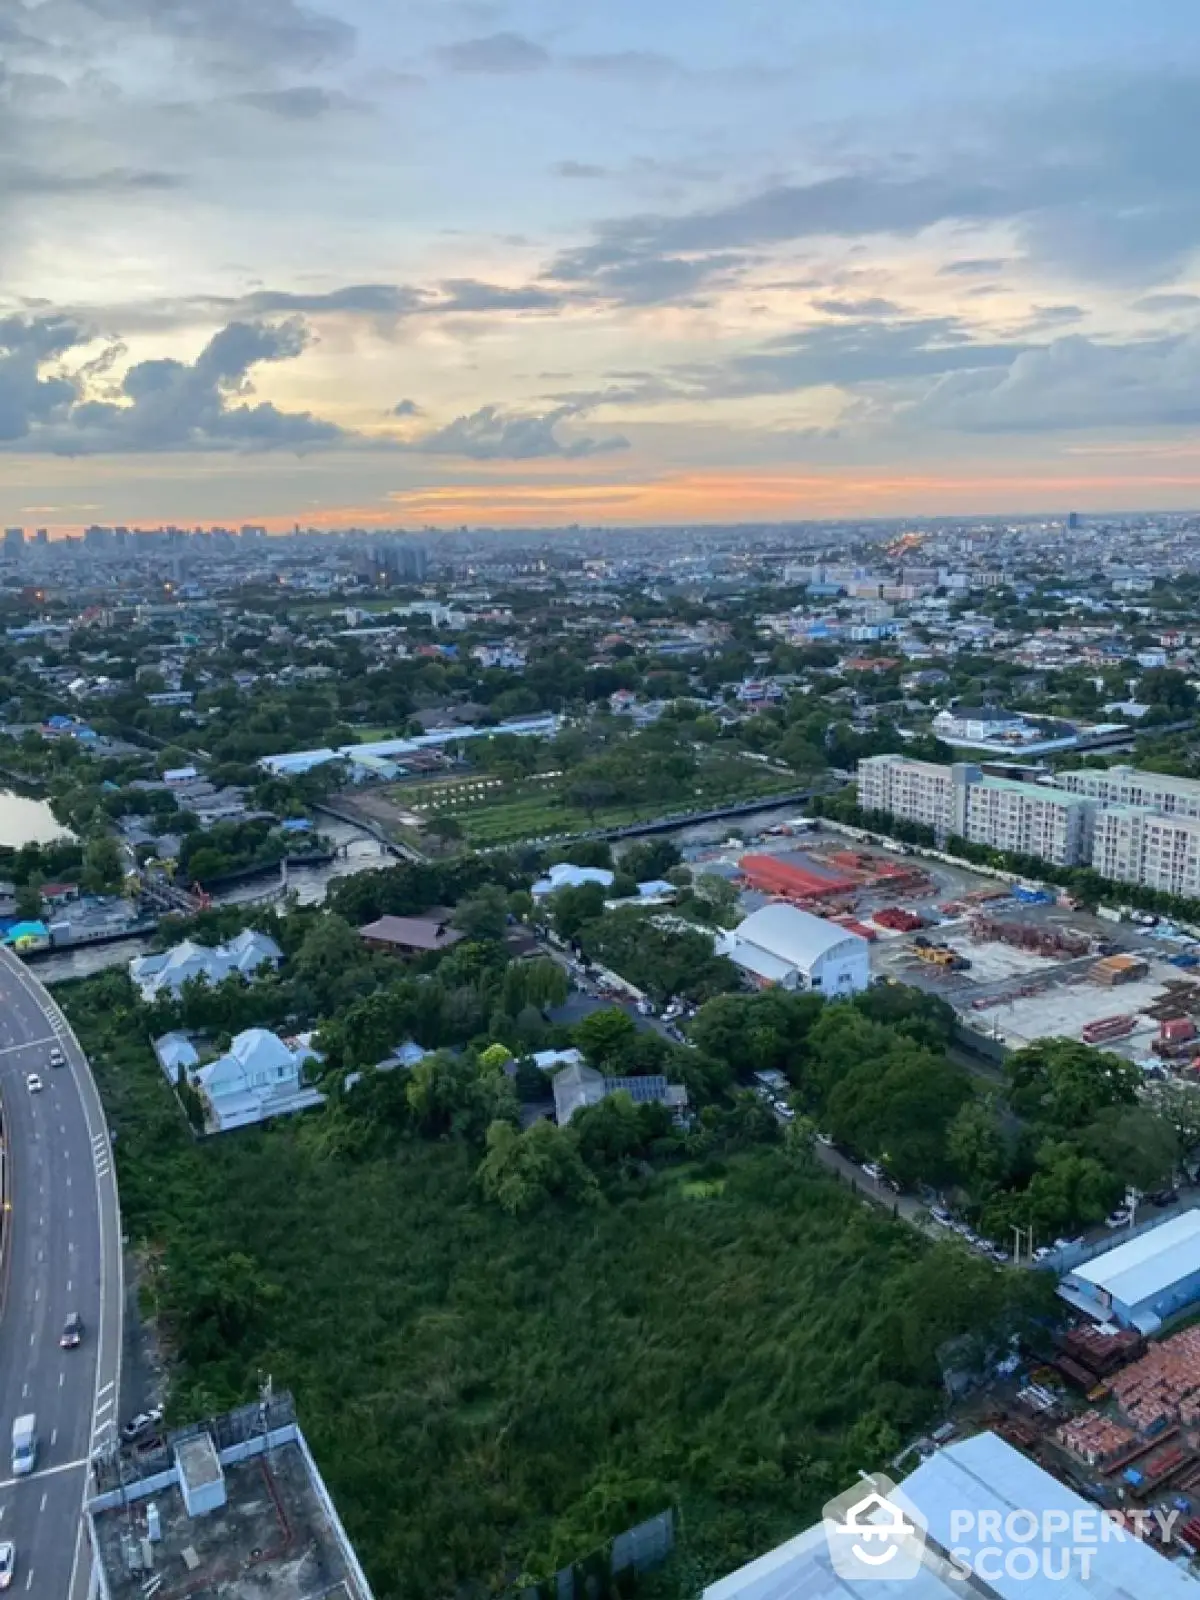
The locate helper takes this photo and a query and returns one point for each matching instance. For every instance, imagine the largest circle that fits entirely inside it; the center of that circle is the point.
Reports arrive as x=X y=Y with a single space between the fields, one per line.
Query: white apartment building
x=918 y=791
x=1029 y=819
x=1146 y=848
x=1128 y=786
x=1130 y=826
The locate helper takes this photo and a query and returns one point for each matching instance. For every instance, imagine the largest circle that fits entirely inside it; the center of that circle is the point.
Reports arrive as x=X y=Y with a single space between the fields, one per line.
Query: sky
x=434 y=262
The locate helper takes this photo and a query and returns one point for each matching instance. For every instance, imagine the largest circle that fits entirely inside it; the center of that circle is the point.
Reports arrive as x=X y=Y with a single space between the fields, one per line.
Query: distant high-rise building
x=14 y=543
x=42 y=536
x=394 y=561
x=250 y=531
x=1073 y=520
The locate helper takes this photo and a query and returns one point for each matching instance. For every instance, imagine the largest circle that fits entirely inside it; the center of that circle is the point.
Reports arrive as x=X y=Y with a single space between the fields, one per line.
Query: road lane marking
x=104 y=1405
x=105 y=1387
x=46 y=1472
x=61 y=1376
x=26 y=1044
x=45 y=1497
x=53 y=1437
x=24 y=1390
x=29 y=1574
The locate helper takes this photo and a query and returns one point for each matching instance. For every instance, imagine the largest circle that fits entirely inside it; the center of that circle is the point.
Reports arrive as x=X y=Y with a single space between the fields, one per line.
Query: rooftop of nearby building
x=1146 y=1265
x=276 y=1537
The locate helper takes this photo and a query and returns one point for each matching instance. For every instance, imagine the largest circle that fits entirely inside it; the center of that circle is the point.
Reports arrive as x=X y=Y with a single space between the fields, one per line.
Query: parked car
x=940 y=1214
x=874 y=1171
x=1163 y=1197
x=824 y=1139
x=1043 y=1252
x=142 y=1426
x=1119 y=1219
x=783 y=1110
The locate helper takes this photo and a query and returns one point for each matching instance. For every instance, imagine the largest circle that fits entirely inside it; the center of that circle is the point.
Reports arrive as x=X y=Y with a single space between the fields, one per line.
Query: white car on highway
x=33 y=1083
x=8 y=1562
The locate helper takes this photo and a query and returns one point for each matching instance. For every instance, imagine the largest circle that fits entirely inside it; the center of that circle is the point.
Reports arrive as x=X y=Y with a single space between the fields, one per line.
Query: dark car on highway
x=72 y=1334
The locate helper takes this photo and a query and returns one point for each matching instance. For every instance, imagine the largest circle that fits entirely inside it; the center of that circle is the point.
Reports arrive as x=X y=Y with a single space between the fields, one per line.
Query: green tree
x=1063 y=1084
x=573 y=908
x=977 y=1148
x=28 y=905
x=102 y=873
x=603 y=1035
x=522 y=1171
x=1134 y=1142
x=447 y=1096
x=483 y=915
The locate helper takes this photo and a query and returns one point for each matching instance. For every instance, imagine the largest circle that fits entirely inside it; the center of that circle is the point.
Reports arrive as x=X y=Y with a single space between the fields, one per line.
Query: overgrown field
x=490 y=1395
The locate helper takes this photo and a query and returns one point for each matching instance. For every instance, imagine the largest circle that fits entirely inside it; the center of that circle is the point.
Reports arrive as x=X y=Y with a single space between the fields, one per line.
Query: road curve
x=62 y=1254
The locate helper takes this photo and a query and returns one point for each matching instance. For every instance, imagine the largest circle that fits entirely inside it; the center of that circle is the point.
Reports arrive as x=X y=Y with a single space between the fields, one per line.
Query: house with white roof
x=565 y=876
x=259 y=1076
x=168 y=971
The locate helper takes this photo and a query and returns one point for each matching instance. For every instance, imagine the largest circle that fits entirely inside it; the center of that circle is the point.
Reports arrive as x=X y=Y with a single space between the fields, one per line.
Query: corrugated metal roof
x=983 y=1474
x=794 y=936
x=1145 y=1266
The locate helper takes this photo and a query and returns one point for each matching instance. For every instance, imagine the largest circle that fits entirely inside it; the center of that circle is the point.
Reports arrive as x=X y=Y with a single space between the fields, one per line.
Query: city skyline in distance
x=368 y=265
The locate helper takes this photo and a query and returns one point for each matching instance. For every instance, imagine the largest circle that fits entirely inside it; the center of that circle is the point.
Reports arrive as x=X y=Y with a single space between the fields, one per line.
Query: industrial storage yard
x=1016 y=964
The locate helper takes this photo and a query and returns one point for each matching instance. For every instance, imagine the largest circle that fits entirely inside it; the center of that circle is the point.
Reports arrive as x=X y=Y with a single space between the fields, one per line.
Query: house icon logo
x=874 y=1532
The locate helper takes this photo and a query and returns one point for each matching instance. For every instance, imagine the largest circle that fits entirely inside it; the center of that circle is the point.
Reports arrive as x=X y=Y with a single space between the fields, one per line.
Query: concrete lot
x=1064 y=1008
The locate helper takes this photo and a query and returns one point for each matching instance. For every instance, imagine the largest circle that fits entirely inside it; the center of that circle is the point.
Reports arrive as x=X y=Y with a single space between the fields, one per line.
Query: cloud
x=27 y=399
x=470 y=294
x=848 y=354
x=221 y=34
x=578 y=169
x=1043 y=318
x=407 y=408
x=162 y=404
x=624 y=64
x=870 y=307
x=369 y=299
x=1167 y=302
x=1073 y=383
x=30 y=180
x=634 y=278
x=301 y=103
x=974 y=267
x=494 y=434
x=494 y=53
x=1092 y=178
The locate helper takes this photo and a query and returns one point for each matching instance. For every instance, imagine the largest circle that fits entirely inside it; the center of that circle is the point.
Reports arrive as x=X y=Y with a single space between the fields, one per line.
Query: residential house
x=168 y=971
x=259 y=1076
x=411 y=936
x=579 y=1085
x=565 y=876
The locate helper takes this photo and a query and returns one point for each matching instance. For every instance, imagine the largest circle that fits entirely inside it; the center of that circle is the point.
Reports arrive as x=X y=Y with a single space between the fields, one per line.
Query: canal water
x=363 y=853
x=309 y=884
x=27 y=821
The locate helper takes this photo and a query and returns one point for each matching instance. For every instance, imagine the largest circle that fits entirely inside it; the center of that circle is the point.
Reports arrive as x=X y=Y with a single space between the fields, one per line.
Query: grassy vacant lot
x=492 y=812
x=488 y=1395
